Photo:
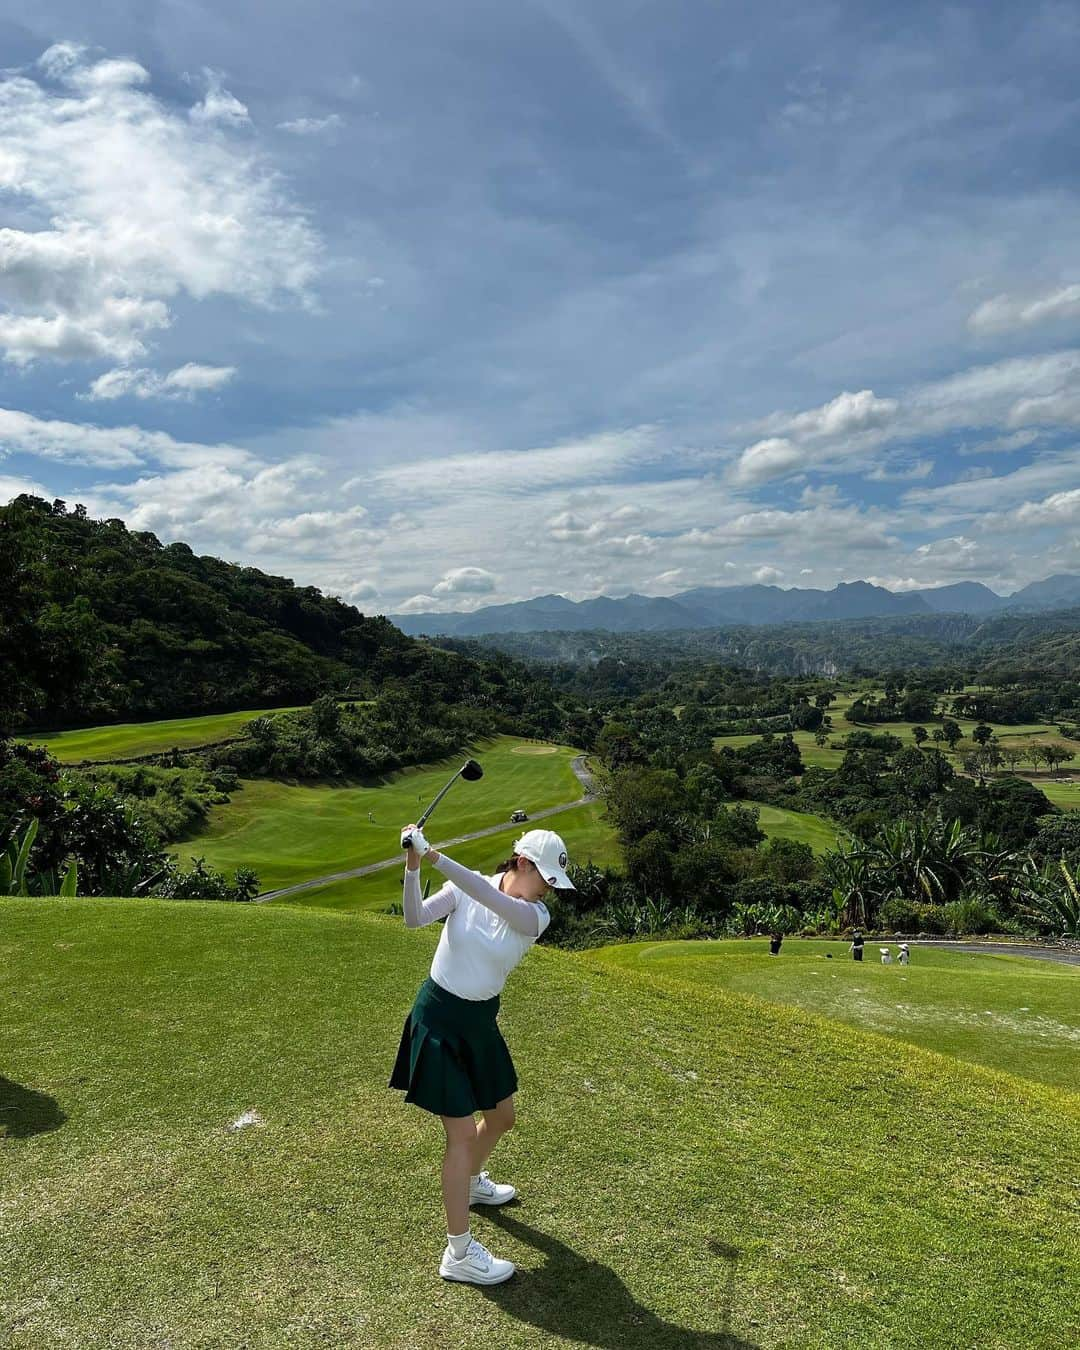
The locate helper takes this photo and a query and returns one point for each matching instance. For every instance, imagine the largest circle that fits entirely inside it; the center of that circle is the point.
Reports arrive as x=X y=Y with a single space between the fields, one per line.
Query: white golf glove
x=419 y=843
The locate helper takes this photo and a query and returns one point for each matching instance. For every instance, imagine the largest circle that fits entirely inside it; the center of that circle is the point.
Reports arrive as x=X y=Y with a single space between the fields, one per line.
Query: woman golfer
x=452 y=1060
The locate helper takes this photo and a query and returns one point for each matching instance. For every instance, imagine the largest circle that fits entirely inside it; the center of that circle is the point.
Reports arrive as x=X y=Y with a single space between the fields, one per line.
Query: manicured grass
x=1063 y=792
x=694 y=1167
x=291 y=832
x=128 y=739
x=1017 y=1014
x=809 y=829
x=587 y=835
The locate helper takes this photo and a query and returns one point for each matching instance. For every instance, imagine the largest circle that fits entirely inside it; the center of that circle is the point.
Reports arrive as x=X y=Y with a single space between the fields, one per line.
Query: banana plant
x=13 y=864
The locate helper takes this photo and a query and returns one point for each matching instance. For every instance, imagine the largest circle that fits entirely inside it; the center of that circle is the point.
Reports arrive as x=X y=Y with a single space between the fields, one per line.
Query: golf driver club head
x=469 y=770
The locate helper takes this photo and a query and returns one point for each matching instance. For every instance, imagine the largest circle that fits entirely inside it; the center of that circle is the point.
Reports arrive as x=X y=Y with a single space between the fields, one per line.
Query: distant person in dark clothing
x=857 y=945
x=775 y=940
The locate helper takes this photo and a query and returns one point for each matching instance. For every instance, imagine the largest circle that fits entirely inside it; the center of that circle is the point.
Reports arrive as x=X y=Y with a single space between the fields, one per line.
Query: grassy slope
x=694 y=1167
x=778 y=823
x=584 y=830
x=1010 y=1013
x=291 y=832
x=130 y=739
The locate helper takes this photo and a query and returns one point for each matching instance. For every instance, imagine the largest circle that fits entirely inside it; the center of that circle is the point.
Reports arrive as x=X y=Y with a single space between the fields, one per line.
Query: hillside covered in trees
x=99 y=623
x=1005 y=649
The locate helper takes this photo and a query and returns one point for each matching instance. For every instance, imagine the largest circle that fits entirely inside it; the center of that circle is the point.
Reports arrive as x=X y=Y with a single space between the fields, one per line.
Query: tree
x=806 y=716
x=618 y=747
x=982 y=735
x=640 y=800
x=1056 y=755
x=1012 y=756
x=649 y=862
x=918 y=735
x=950 y=730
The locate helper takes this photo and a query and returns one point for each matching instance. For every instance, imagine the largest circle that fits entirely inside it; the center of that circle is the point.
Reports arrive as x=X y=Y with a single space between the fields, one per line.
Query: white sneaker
x=484 y=1191
x=477 y=1266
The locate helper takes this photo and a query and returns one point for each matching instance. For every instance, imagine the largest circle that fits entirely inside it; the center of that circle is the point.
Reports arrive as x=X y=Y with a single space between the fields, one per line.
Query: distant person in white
x=491 y=922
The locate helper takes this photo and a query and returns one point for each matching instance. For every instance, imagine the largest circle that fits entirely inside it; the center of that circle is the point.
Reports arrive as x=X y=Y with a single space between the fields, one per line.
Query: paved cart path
x=1070 y=958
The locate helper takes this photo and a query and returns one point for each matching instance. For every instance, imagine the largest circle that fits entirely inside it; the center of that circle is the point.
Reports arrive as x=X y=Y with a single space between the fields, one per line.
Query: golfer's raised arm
x=419 y=912
x=521 y=915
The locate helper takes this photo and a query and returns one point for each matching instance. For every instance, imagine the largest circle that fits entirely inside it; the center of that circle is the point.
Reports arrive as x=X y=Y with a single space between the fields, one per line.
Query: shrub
x=969 y=915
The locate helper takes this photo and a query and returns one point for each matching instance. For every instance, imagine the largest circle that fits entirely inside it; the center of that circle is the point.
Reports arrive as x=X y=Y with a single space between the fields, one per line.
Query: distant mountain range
x=715 y=606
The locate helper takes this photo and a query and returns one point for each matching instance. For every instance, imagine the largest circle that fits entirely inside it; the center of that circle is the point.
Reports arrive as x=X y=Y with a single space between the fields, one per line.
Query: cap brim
x=559 y=880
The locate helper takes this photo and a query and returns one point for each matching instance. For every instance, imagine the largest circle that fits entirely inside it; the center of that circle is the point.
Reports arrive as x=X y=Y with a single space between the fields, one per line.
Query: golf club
x=470 y=771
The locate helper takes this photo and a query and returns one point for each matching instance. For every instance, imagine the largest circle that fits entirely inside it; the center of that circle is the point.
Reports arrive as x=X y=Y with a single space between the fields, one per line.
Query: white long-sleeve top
x=486 y=933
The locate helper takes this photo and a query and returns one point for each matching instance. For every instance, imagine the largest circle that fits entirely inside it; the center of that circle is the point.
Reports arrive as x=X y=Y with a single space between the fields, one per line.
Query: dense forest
x=1000 y=649
x=100 y=624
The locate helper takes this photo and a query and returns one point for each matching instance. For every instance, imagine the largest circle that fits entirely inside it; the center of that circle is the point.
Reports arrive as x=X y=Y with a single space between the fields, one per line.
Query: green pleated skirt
x=452 y=1059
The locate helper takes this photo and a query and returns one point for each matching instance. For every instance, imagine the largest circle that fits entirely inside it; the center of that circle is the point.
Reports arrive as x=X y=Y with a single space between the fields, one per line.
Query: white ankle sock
x=459 y=1243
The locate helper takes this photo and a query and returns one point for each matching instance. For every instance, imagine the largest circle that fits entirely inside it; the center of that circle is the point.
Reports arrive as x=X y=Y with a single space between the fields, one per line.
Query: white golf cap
x=548 y=852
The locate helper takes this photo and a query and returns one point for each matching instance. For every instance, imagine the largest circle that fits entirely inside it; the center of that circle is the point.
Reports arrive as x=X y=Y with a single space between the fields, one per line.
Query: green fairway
x=292 y=832
x=587 y=836
x=693 y=1167
x=1017 y=1014
x=129 y=739
x=798 y=825
x=1063 y=792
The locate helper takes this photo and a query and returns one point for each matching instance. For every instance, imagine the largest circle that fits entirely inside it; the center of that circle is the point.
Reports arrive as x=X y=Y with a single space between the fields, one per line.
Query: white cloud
x=955 y=554
x=921 y=468
x=1060 y=508
x=842 y=416
x=315 y=532
x=1000 y=445
x=767 y=459
x=899 y=583
x=1004 y=312
x=853 y=427
x=109 y=447
x=568 y=527
x=143 y=205
x=182 y=383
x=629 y=545
x=767 y=575
x=14 y=487
x=498 y=474
x=218 y=105
x=311 y=126
x=417 y=604
x=465 y=581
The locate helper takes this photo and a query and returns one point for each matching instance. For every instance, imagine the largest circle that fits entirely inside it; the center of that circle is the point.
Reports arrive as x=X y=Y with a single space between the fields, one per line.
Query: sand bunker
x=534 y=750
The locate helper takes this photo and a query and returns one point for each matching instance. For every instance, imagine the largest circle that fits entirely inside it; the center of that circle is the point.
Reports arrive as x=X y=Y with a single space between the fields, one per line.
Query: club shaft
x=421 y=822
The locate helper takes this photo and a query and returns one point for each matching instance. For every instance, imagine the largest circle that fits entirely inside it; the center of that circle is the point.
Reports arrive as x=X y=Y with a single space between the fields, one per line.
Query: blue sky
x=439 y=306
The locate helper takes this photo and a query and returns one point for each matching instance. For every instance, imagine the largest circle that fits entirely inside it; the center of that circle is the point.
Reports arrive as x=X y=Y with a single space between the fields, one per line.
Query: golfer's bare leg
x=456 y=1170
x=491 y=1129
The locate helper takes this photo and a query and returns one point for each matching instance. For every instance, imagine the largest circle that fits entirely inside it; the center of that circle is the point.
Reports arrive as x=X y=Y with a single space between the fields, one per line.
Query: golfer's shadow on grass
x=588 y=1304
x=24 y=1112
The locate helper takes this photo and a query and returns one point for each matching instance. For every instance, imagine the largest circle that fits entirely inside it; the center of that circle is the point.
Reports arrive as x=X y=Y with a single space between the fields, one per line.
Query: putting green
x=1021 y=1015
x=694 y=1167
